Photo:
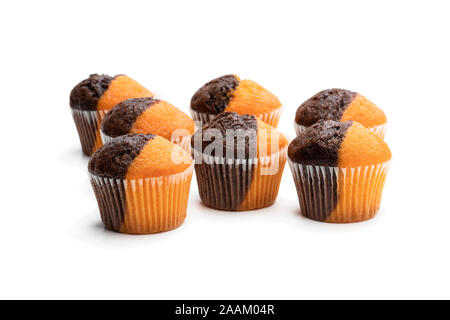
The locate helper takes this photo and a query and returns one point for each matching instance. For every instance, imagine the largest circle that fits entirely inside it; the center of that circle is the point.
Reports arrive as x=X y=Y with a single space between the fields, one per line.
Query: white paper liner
x=339 y=195
x=378 y=130
x=105 y=137
x=88 y=127
x=271 y=118
x=143 y=206
x=239 y=184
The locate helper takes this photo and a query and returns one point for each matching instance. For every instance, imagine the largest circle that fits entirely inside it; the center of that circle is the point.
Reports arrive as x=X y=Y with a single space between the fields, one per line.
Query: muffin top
x=85 y=95
x=147 y=116
x=135 y=156
x=231 y=94
x=102 y=92
x=215 y=95
x=233 y=136
x=344 y=144
x=339 y=105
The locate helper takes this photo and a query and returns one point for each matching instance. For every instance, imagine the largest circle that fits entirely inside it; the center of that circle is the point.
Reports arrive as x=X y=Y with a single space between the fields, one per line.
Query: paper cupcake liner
x=378 y=130
x=184 y=141
x=271 y=118
x=88 y=127
x=105 y=137
x=339 y=195
x=201 y=118
x=143 y=206
x=239 y=185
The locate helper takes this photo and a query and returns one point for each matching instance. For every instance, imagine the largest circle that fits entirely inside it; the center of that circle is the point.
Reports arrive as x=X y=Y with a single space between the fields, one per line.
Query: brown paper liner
x=88 y=127
x=143 y=206
x=339 y=195
x=239 y=185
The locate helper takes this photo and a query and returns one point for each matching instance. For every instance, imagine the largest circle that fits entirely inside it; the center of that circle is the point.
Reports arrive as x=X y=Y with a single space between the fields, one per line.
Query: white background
x=52 y=243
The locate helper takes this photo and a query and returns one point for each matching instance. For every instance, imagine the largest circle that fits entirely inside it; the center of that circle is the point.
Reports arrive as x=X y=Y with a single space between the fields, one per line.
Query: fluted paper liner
x=184 y=141
x=239 y=185
x=378 y=130
x=105 y=137
x=88 y=127
x=270 y=118
x=143 y=206
x=339 y=195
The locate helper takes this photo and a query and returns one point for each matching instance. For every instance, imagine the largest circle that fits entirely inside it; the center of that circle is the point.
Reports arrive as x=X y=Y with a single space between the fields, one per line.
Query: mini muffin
x=231 y=94
x=93 y=97
x=148 y=116
x=239 y=162
x=339 y=170
x=141 y=183
x=340 y=105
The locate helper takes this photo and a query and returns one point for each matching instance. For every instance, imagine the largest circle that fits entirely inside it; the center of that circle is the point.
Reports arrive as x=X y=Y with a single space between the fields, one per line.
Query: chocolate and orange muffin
x=340 y=105
x=231 y=94
x=339 y=170
x=93 y=97
x=239 y=162
x=141 y=183
x=148 y=116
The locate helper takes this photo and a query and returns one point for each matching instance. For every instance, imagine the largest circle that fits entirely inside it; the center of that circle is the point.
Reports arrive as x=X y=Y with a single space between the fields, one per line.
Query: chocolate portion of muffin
x=85 y=95
x=87 y=131
x=119 y=120
x=326 y=105
x=234 y=134
x=231 y=180
x=113 y=159
x=112 y=203
x=319 y=144
x=215 y=95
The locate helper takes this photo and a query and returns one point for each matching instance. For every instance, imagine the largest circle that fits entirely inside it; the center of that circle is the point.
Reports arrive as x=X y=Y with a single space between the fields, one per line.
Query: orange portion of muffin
x=365 y=112
x=267 y=174
x=252 y=98
x=159 y=157
x=362 y=147
x=360 y=160
x=120 y=89
x=163 y=119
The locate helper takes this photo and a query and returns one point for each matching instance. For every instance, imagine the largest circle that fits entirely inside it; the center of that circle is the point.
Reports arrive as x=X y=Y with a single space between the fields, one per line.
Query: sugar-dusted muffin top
x=147 y=115
x=231 y=94
x=231 y=135
x=102 y=92
x=339 y=105
x=135 y=156
x=344 y=144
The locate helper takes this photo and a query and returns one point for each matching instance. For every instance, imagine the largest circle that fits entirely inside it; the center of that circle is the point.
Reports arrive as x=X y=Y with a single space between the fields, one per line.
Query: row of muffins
x=141 y=179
